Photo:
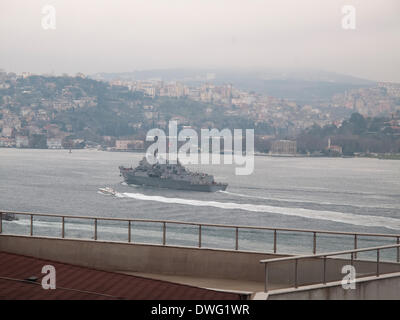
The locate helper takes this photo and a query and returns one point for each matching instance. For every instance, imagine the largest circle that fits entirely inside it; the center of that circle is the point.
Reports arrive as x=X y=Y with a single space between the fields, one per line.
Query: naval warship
x=168 y=175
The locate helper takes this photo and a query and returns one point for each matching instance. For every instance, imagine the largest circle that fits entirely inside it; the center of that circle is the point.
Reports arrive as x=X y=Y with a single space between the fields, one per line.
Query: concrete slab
x=241 y=286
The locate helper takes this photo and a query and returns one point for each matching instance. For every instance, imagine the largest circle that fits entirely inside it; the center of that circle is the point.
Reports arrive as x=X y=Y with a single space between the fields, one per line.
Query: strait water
x=315 y=193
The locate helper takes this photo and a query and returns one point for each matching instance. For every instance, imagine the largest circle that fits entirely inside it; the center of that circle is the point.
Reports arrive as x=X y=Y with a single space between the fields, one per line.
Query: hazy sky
x=124 y=35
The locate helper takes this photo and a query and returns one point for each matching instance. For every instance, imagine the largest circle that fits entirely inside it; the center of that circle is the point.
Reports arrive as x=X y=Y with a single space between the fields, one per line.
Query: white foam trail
x=302 y=201
x=349 y=218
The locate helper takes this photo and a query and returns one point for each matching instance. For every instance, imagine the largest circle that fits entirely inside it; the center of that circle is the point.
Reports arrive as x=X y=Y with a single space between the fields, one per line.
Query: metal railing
x=324 y=256
x=200 y=227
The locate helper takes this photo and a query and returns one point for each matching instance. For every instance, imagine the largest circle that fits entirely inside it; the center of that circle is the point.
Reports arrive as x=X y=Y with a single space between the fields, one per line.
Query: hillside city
x=46 y=111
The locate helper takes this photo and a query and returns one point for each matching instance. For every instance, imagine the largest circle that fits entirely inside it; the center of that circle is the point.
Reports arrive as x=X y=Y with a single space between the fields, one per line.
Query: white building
x=54 y=143
x=21 y=141
x=7 y=142
x=129 y=145
x=7 y=132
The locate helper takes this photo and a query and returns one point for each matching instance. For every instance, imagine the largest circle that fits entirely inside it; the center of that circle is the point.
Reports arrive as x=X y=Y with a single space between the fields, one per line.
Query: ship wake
x=302 y=201
x=342 y=217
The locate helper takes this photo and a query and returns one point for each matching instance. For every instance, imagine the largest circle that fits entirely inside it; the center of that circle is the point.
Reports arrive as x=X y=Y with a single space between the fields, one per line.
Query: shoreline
x=257 y=154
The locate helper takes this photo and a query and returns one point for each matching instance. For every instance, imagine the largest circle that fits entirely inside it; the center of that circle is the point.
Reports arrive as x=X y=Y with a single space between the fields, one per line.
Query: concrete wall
x=210 y=263
x=172 y=260
x=386 y=287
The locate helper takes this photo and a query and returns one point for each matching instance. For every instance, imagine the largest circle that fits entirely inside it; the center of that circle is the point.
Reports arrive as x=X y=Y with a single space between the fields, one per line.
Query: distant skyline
x=121 y=36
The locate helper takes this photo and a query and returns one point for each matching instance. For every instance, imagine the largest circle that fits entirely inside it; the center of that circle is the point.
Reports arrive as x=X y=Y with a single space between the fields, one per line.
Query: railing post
x=129 y=231
x=295 y=273
x=63 y=228
x=398 y=250
x=164 y=233
x=275 y=241
x=315 y=243
x=199 y=235
x=237 y=239
x=1 y=222
x=95 y=229
x=266 y=277
x=377 y=262
x=324 y=281
x=355 y=246
x=352 y=258
x=31 y=229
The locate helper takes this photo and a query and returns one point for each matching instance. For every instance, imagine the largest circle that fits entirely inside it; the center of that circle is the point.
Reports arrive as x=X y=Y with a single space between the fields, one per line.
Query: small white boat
x=107 y=190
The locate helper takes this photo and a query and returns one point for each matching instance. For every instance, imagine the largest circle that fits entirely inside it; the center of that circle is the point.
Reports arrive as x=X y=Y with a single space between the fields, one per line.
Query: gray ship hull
x=170 y=184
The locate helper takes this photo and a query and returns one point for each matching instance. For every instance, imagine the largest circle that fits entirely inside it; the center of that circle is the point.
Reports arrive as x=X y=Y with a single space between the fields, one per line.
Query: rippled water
x=313 y=193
